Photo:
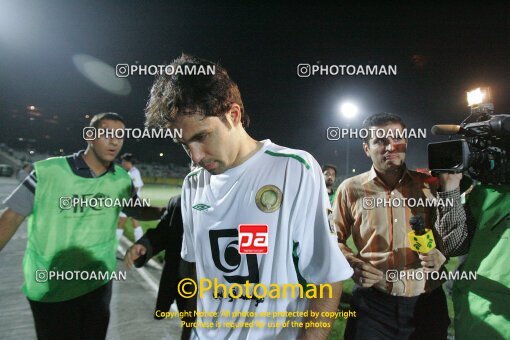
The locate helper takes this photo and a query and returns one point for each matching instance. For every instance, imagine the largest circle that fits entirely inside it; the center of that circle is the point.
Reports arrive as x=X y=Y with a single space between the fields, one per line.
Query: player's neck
x=248 y=147
x=97 y=166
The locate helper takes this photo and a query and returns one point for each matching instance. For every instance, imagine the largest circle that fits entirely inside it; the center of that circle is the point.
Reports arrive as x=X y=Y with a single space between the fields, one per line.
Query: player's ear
x=234 y=114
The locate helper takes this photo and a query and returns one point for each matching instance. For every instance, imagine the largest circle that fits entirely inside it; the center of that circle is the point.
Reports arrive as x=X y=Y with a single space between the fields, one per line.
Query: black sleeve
x=157 y=239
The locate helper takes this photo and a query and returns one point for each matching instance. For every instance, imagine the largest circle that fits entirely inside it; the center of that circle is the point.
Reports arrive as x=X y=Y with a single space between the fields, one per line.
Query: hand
x=366 y=275
x=432 y=261
x=449 y=182
x=134 y=252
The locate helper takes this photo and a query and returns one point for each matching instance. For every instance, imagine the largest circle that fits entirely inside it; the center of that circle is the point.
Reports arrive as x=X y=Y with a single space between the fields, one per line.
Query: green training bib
x=78 y=241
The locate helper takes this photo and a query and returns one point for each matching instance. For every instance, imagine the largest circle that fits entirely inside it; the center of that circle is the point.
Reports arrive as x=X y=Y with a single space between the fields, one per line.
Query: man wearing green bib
x=482 y=230
x=70 y=256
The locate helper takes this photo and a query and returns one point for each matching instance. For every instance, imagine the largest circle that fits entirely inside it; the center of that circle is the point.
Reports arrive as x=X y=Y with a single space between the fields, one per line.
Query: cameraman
x=482 y=228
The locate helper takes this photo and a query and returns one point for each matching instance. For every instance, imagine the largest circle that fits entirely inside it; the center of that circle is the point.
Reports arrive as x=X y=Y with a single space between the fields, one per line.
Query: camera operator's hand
x=449 y=182
x=134 y=252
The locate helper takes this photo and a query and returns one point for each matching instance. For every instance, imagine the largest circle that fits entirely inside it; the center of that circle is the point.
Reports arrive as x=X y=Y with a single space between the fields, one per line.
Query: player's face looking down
x=107 y=149
x=387 y=154
x=212 y=142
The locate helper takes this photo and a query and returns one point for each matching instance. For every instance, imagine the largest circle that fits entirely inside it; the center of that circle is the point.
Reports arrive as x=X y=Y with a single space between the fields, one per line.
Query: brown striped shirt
x=380 y=233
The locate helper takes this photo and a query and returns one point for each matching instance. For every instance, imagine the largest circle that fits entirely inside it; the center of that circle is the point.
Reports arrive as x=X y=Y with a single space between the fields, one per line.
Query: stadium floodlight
x=349 y=110
x=478 y=96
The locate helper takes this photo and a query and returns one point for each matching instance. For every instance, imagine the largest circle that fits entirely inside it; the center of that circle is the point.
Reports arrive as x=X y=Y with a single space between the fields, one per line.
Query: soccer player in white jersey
x=128 y=163
x=243 y=182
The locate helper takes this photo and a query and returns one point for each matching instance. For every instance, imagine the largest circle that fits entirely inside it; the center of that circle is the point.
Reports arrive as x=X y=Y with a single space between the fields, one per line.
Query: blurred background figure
x=329 y=172
x=128 y=163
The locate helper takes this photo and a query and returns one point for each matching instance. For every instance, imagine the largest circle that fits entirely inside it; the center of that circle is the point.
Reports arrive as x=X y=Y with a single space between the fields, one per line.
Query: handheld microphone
x=421 y=238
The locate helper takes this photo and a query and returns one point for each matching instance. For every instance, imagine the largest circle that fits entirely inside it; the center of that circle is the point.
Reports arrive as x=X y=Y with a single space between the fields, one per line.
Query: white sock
x=119 y=233
x=138 y=233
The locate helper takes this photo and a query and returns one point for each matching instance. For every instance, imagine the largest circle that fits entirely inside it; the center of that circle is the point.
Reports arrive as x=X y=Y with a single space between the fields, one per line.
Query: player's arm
x=319 y=259
x=153 y=241
x=319 y=305
x=9 y=223
x=19 y=205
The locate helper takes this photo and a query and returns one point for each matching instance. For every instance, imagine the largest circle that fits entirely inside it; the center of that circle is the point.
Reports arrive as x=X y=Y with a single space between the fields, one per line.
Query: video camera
x=484 y=152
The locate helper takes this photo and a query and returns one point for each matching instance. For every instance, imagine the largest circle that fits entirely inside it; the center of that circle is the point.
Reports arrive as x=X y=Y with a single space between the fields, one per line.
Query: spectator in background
x=128 y=163
x=329 y=172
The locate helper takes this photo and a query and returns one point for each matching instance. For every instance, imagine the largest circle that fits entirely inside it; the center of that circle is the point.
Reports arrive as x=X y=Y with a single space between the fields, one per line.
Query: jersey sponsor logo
x=253 y=239
x=269 y=198
x=226 y=257
x=201 y=207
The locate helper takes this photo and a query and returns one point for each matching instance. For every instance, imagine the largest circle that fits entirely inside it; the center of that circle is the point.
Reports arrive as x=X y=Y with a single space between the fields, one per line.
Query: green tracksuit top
x=482 y=306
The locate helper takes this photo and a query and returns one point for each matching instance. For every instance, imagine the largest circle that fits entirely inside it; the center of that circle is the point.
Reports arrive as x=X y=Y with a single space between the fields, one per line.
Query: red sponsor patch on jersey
x=253 y=239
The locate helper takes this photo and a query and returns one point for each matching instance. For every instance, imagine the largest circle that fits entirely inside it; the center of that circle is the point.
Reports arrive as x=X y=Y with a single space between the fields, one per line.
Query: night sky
x=440 y=52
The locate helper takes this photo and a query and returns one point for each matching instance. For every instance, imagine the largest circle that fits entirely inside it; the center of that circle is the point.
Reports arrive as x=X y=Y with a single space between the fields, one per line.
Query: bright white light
x=161 y=154
x=349 y=110
x=475 y=97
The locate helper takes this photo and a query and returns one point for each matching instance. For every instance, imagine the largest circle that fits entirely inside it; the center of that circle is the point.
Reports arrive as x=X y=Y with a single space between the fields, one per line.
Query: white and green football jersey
x=282 y=189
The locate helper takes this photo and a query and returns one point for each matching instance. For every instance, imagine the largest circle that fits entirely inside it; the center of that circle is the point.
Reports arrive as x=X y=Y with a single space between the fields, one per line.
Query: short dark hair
x=98 y=118
x=128 y=157
x=381 y=119
x=329 y=166
x=177 y=95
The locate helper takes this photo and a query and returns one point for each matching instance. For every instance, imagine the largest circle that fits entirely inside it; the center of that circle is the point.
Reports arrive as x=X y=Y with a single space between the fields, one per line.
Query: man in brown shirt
x=393 y=297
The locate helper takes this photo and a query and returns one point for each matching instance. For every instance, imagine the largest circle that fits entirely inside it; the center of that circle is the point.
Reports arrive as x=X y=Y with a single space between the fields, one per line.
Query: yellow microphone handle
x=422 y=243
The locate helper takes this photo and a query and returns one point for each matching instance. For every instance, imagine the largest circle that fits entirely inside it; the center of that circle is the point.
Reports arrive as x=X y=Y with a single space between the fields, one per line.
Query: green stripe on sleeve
x=296 y=157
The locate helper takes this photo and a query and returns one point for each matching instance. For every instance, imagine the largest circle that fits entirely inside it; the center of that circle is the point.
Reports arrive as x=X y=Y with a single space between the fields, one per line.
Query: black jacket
x=166 y=236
